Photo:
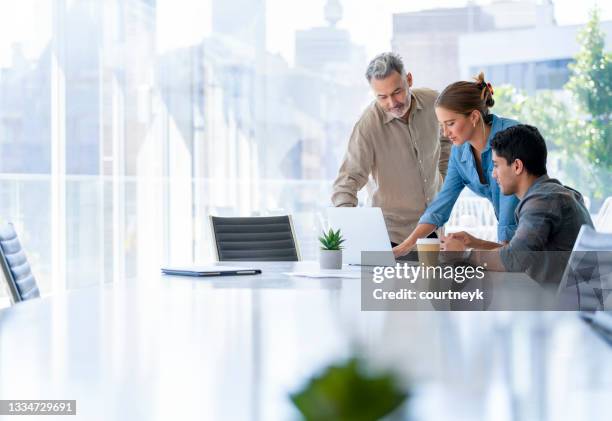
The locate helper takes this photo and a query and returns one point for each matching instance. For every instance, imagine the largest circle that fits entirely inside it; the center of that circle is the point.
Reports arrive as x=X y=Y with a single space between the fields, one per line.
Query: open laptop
x=363 y=229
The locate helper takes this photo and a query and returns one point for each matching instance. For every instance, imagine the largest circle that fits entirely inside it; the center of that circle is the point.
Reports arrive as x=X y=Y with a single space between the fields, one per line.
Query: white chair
x=587 y=281
x=603 y=220
x=587 y=202
x=473 y=214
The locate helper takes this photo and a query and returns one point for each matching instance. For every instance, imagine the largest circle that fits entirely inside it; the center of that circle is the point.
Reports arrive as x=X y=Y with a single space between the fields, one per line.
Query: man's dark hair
x=522 y=142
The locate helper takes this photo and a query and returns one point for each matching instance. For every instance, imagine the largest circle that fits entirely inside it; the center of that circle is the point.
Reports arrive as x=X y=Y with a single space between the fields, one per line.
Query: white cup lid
x=428 y=241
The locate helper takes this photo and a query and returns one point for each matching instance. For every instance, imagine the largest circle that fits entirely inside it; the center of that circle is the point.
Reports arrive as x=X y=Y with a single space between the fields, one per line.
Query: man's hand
x=468 y=240
x=450 y=243
x=452 y=250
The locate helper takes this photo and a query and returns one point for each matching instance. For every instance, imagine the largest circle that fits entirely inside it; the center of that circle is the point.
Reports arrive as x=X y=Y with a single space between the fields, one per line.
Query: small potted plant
x=330 y=255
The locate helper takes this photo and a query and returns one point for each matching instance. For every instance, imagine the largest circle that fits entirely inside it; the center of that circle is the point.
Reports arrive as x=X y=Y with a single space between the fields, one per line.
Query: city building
x=429 y=40
x=530 y=59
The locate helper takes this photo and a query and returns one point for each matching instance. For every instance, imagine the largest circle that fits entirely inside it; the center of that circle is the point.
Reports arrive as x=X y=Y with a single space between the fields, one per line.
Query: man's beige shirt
x=406 y=160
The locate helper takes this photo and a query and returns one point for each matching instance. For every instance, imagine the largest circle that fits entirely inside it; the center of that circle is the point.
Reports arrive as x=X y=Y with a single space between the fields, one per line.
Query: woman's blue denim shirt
x=462 y=172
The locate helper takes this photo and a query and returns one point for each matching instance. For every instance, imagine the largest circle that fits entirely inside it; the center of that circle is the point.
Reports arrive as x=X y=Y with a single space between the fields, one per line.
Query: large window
x=124 y=124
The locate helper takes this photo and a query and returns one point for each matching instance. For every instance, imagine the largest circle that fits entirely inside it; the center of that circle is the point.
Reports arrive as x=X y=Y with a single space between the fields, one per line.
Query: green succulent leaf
x=331 y=240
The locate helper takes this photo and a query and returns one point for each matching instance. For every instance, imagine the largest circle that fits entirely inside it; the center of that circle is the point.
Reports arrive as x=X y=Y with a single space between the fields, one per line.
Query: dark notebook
x=208 y=270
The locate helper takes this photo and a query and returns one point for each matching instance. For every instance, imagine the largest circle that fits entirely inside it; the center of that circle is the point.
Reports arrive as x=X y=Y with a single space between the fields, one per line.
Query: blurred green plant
x=591 y=86
x=575 y=122
x=349 y=392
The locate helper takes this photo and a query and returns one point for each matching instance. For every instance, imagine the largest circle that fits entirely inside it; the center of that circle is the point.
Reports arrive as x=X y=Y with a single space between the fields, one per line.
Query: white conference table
x=232 y=348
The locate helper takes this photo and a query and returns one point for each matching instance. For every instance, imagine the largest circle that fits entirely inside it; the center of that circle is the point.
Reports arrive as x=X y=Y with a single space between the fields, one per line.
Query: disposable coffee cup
x=429 y=250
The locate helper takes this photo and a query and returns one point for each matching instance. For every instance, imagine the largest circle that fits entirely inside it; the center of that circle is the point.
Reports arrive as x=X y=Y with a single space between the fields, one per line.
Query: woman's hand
x=403 y=248
x=421 y=231
x=450 y=243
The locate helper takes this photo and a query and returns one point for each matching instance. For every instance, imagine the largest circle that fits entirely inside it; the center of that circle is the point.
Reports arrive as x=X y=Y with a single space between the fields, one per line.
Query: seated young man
x=549 y=214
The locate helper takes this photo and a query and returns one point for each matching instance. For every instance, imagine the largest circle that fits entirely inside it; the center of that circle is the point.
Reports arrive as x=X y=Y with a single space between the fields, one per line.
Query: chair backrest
x=587 y=281
x=603 y=220
x=260 y=238
x=15 y=266
x=473 y=214
x=479 y=210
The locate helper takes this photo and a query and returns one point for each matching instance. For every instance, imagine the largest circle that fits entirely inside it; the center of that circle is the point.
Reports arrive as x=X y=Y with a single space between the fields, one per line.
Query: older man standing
x=397 y=140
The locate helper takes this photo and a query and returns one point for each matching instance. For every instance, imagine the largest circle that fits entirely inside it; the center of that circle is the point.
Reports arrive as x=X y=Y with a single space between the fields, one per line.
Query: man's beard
x=399 y=112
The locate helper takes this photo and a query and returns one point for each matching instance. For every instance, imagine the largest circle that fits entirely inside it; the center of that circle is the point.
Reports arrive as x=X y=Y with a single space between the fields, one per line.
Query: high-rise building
x=243 y=21
x=531 y=58
x=329 y=49
x=329 y=90
x=25 y=119
x=428 y=40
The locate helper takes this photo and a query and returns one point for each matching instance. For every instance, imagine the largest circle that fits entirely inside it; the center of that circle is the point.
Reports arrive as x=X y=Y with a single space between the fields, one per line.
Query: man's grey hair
x=383 y=65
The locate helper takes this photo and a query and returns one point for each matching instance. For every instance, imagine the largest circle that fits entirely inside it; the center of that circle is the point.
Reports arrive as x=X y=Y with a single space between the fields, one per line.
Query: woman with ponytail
x=462 y=110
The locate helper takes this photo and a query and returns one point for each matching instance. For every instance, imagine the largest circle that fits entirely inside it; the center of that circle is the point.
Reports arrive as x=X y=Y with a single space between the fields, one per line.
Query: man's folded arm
x=537 y=220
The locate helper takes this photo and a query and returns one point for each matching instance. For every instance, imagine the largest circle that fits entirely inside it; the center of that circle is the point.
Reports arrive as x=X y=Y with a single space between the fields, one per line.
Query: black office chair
x=15 y=267
x=260 y=238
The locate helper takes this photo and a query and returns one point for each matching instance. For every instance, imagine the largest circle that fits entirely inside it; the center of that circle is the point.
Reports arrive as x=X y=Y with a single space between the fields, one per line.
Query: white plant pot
x=330 y=259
